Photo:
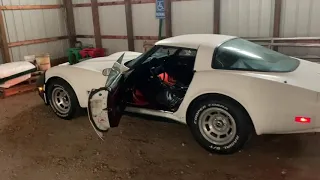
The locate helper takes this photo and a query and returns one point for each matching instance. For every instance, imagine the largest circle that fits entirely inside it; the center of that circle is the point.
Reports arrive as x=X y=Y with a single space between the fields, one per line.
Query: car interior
x=162 y=80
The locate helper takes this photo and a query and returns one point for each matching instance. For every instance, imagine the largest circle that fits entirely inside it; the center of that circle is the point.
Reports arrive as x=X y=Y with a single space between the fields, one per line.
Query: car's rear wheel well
x=217 y=96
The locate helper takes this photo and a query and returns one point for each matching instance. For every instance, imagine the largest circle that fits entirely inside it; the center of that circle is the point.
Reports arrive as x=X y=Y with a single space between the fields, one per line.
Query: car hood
x=307 y=76
x=101 y=63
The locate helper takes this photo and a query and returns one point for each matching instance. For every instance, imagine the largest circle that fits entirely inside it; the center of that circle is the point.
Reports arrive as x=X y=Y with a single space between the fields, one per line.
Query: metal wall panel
x=87 y=41
x=24 y=25
x=191 y=17
x=83 y=20
x=31 y=2
x=115 y=45
x=113 y=22
x=247 y=18
x=144 y=20
x=300 y=19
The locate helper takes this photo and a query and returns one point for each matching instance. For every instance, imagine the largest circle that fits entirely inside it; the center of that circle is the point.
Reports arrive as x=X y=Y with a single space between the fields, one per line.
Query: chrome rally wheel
x=220 y=126
x=217 y=126
x=61 y=100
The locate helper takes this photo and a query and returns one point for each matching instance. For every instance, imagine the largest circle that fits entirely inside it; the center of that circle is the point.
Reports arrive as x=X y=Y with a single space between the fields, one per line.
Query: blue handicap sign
x=160 y=10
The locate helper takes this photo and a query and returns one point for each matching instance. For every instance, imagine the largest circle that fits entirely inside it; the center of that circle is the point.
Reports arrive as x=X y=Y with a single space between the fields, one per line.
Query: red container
x=92 y=52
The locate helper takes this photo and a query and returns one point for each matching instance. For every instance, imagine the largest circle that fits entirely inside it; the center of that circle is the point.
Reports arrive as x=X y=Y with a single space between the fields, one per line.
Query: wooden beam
x=30 y=7
x=96 y=23
x=70 y=22
x=277 y=18
x=85 y=36
x=120 y=37
x=36 y=41
x=167 y=6
x=3 y=41
x=111 y=3
x=129 y=24
x=82 y=5
x=216 y=16
x=114 y=3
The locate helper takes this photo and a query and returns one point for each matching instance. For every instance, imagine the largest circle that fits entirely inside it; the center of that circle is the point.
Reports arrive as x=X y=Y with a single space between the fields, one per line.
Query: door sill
x=151 y=112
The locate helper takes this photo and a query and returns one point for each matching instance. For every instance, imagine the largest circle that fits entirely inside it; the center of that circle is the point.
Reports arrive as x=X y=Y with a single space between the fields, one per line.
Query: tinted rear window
x=239 y=54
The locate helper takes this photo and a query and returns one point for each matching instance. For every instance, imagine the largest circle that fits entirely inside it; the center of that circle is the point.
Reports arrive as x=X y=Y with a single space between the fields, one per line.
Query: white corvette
x=224 y=88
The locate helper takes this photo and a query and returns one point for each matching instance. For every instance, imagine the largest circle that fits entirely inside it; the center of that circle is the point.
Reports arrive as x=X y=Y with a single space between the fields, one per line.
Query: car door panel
x=106 y=104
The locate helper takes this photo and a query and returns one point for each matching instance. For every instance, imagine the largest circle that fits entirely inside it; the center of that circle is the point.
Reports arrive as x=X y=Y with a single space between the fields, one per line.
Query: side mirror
x=106 y=71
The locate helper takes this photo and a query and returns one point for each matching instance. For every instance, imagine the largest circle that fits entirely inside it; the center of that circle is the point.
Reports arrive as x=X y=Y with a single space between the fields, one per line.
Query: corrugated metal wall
x=192 y=17
x=113 y=22
x=245 y=18
x=24 y=25
x=300 y=18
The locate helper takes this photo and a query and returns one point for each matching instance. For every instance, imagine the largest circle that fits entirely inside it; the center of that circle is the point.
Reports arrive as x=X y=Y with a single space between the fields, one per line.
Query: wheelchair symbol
x=160 y=6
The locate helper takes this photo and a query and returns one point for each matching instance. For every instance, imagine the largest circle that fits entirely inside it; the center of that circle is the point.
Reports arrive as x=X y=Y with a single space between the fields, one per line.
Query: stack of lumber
x=26 y=86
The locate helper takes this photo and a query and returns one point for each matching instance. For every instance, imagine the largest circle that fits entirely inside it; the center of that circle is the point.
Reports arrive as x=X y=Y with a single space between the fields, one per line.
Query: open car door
x=106 y=104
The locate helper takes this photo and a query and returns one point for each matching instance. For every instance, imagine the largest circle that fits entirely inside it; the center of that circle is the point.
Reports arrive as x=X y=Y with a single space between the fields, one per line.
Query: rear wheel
x=63 y=99
x=220 y=126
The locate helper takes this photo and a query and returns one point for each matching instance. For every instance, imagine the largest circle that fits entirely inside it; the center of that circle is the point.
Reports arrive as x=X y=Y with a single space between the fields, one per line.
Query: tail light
x=304 y=120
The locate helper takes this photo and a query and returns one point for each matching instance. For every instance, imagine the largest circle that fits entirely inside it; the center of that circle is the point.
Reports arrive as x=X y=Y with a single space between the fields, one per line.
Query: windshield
x=239 y=54
x=115 y=74
x=155 y=52
x=131 y=63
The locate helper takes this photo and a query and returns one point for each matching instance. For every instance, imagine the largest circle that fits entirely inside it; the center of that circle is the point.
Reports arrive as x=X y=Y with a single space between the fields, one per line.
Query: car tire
x=220 y=126
x=62 y=99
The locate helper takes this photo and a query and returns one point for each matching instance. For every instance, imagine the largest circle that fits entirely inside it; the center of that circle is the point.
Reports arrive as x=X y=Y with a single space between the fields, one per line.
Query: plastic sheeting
x=15 y=72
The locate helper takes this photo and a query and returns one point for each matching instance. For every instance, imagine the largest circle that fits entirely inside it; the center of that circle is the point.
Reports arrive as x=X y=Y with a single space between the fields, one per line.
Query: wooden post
x=128 y=10
x=96 y=23
x=168 y=19
x=70 y=22
x=216 y=16
x=277 y=20
x=3 y=41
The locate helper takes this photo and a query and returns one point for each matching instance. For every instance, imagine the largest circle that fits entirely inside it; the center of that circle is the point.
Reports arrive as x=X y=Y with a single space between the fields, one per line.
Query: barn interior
x=36 y=144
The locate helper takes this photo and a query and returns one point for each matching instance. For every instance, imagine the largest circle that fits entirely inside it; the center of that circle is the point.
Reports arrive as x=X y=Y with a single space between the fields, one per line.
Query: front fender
x=81 y=80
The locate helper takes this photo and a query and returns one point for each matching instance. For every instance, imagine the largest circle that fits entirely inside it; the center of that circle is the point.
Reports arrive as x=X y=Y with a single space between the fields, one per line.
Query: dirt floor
x=35 y=144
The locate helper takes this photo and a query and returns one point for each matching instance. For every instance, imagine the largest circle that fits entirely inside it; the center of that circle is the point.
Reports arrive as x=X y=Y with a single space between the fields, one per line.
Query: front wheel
x=63 y=99
x=220 y=126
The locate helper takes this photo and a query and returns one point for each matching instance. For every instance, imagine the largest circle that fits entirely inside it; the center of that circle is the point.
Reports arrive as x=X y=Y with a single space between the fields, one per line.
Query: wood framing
x=120 y=37
x=277 y=18
x=82 y=5
x=30 y=7
x=216 y=16
x=113 y=3
x=70 y=22
x=36 y=41
x=96 y=23
x=168 y=19
x=4 y=49
x=129 y=23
